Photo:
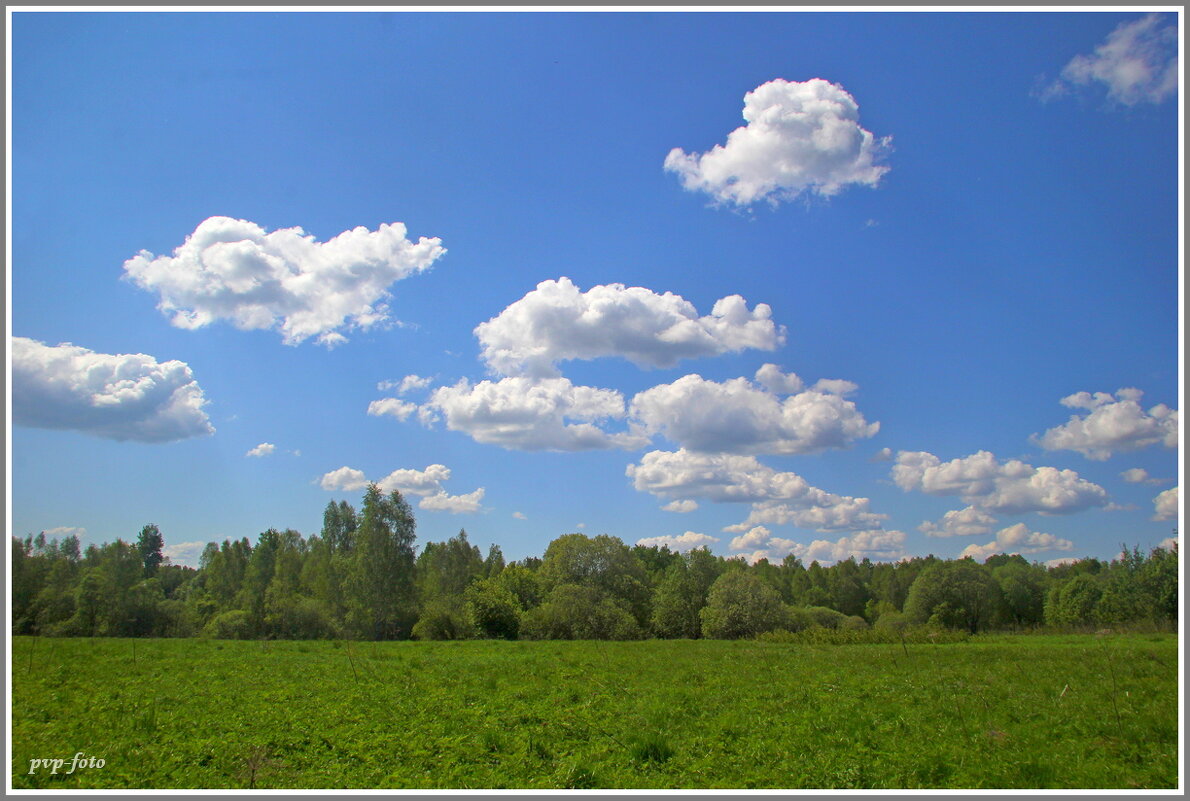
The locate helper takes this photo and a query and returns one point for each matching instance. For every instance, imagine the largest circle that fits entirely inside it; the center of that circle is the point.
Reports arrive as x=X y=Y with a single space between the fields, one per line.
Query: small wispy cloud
x=1137 y=63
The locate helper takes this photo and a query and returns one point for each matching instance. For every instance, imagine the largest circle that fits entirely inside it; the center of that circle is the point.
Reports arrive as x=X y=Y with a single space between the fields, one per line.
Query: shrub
x=493 y=610
x=825 y=617
x=233 y=625
x=959 y=594
x=574 y=612
x=1073 y=602
x=739 y=605
x=444 y=619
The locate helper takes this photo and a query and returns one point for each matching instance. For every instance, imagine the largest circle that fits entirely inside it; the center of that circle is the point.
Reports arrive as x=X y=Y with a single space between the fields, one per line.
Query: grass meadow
x=999 y=711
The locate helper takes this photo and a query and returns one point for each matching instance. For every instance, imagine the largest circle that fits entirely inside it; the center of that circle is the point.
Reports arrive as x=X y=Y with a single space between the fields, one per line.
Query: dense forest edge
x=362 y=578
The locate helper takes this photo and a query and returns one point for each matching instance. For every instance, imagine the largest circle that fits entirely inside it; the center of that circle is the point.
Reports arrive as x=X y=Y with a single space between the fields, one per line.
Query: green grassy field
x=993 y=712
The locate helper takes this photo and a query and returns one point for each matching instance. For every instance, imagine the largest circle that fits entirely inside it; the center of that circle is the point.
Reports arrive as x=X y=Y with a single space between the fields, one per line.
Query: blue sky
x=966 y=225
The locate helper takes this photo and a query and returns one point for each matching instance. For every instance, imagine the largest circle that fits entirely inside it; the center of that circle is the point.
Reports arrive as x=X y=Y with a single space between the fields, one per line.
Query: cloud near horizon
x=968 y=522
x=876 y=544
x=995 y=487
x=230 y=269
x=426 y=484
x=1017 y=539
x=800 y=137
x=776 y=497
x=125 y=396
x=679 y=542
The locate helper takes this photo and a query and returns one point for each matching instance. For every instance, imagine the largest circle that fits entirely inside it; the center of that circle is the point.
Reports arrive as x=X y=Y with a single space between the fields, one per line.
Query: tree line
x=361 y=577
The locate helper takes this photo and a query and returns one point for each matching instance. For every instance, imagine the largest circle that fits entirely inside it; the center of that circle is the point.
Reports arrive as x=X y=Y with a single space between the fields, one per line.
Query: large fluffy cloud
x=127 y=396
x=286 y=280
x=1115 y=423
x=800 y=137
x=426 y=484
x=1011 y=487
x=1165 y=505
x=737 y=416
x=776 y=497
x=1017 y=539
x=679 y=542
x=558 y=322
x=531 y=414
x=1138 y=63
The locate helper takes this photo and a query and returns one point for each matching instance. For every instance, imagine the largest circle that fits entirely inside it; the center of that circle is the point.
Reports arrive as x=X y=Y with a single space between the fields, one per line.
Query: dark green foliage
x=740 y=604
x=524 y=584
x=1073 y=602
x=149 y=544
x=959 y=594
x=578 y=612
x=1022 y=589
x=233 y=625
x=444 y=618
x=359 y=579
x=602 y=563
x=682 y=593
x=824 y=616
x=493 y=610
x=379 y=589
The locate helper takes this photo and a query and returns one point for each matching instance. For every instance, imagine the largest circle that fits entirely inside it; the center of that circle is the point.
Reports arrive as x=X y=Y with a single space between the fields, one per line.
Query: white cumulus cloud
x=878 y=545
x=1011 y=487
x=263 y=449
x=680 y=542
x=531 y=414
x=967 y=522
x=1137 y=63
x=345 y=479
x=1017 y=539
x=823 y=511
x=557 y=322
x=184 y=553
x=455 y=504
x=680 y=506
x=1165 y=505
x=776 y=497
x=1115 y=423
x=737 y=416
x=799 y=137
x=393 y=407
x=233 y=270
x=426 y=484
x=127 y=396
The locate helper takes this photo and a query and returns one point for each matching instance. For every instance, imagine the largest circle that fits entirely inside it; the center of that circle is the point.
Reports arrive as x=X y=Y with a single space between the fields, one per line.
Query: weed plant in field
x=1071 y=711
